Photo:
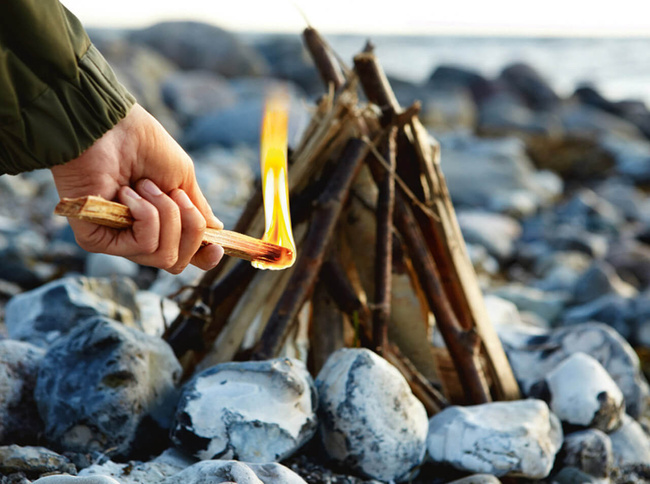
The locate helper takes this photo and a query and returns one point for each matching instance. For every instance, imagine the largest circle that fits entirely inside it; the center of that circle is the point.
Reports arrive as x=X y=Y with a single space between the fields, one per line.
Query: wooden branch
x=384 y=248
x=329 y=207
x=463 y=349
x=328 y=68
x=115 y=215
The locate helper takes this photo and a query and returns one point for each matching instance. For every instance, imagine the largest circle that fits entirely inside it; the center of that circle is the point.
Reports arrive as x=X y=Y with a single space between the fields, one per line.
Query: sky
x=495 y=17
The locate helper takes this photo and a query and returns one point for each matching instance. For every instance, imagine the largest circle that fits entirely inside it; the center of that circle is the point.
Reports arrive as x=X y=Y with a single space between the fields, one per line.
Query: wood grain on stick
x=97 y=210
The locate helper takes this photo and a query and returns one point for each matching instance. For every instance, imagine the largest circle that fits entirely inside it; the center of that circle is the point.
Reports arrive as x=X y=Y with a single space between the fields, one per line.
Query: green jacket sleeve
x=57 y=93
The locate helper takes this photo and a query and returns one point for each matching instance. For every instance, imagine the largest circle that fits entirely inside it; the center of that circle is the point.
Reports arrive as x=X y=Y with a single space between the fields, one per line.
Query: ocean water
x=618 y=67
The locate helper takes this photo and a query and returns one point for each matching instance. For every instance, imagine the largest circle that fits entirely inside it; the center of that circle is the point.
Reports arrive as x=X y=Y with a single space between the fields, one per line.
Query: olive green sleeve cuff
x=66 y=118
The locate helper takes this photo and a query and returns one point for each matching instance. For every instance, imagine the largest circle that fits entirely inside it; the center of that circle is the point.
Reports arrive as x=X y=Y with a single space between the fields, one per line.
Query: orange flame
x=275 y=185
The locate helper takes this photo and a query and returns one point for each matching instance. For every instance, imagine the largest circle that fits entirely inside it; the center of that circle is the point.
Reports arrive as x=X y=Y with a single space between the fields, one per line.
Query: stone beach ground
x=552 y=198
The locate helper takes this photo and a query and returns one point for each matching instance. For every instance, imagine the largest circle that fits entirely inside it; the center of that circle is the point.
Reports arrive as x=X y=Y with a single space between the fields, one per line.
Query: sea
x=618 y=67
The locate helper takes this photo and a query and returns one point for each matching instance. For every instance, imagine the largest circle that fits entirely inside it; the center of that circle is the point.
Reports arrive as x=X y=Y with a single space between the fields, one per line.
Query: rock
x=459 y=78
x=534 y=353
x=631 y=156
x=496 y=232
x=241 y=123
x=195 y=45
x=156 y=312
x=42 y=315
x=547 y=305
x=219 y=414
x=560 y=270
x=628 y=199
x=509 y=182
x=582 y=121
x=504 y=113
x=288 y=59
x=104 y=386
x=504 y=438
x=22 y=251
x=369 y=419
x=64 y=479
x=477 y=479
x=165 y=465
x=631 y=260
x=571 y=475
x=19 y=420
x=569 y=237
x=166 y=284
x=599 y=280
x=191 y=94
x=531 y=86
x=590 y=211
x=222 y=471
x=104 y=265
x=590 y=451
x=611 y=309
x=630 y=444
x=32 y=461
x=581 y=393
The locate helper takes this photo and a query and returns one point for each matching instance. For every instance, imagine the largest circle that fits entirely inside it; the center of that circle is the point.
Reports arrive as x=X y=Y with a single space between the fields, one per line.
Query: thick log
x=310 y=259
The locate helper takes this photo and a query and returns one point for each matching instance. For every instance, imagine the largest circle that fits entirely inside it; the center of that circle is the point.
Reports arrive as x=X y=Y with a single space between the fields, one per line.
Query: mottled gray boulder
x=509 y=182
x=531 y=86
x=503 y=438
x=165 y=465
x=590 y=451
x=65 y=479
x=19 y=419
x=533 y=354
x=611 y=309
x=107 y=386
x=599 y=280
x=196 y=93
x=42 y=315
x=583 y=121
x=369 y=419
x=572 y=475
x=32 y=461
x=455 y=77
x=156 y=312
x=229 y=471
x=547 y=305
x=255 y=411
x=581 y=393
x=630 y=443
x=632 y=156
x=496 y=232
x=505 y=113
x=196 y=45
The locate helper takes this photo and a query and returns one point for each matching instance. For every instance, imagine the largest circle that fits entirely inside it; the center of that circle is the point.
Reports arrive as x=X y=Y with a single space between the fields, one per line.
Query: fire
x=275 y=186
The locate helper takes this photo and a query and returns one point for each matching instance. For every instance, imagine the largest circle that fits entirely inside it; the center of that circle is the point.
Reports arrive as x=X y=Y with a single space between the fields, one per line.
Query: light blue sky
x=503 y=17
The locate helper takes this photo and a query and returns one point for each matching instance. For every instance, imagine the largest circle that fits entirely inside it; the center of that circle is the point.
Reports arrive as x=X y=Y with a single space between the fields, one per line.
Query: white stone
x=156 y=312
x=503 y=438
x=583 y=393
x=630 y=443
x=369 y=419
x=104 y=265
x=496 y=232
x=256 y=411
x=215 y=472
x=67 y=479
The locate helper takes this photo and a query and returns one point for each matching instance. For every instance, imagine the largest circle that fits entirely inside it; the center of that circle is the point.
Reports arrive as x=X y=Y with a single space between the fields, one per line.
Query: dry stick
x=310 y=259
x=384 y=248
x=463 y=346
x=441 y=231
x=329 y=70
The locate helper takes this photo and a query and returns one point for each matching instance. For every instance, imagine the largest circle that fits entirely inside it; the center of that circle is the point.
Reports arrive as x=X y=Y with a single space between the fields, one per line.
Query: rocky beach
x=551 y=190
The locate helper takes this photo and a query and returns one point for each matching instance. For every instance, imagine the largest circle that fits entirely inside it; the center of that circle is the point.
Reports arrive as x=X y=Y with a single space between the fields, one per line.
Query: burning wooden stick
x=111 y=214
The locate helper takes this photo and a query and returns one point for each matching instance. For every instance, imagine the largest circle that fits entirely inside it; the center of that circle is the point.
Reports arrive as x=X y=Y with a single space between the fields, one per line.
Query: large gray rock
x=531 y=86
x=503 y=438
x=581 y=393
x=614 y=310
x=107 y=386
x=195 y=45
x=496 y=232
x=66 y=479
x=19 y=419
x=369 y=419
x=630 y=444
x=42 y=315
x=632 y=157
x=32 y=461
x=255 y=411
x=508 y=180
x=534 y=353
x=548 y=305
x=104 y=265
x=599 y=280
x=590 y=451
x=229 y=471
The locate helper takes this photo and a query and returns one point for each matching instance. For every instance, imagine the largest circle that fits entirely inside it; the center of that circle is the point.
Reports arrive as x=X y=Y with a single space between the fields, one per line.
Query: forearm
x=57 y=93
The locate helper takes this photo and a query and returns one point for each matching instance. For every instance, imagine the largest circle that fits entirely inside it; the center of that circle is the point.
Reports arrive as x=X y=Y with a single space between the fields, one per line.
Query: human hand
x=140 y=165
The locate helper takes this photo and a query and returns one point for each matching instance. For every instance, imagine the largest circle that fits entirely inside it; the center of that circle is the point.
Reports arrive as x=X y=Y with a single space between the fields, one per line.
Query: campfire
x=380 y=260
